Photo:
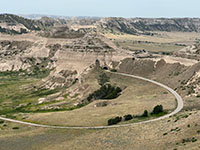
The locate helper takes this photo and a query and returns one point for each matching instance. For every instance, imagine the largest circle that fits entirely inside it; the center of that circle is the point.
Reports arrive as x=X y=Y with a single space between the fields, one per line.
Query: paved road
x=177 y=96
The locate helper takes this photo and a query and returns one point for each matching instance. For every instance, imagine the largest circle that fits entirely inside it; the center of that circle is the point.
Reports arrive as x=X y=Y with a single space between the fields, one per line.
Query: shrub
x=157 y=109
x=128 y=117
x=193 y=139
x=15 y=128
x=198 y=96
x=115 y=120
x=113 y=70
x=164 y=134
x=145 y=114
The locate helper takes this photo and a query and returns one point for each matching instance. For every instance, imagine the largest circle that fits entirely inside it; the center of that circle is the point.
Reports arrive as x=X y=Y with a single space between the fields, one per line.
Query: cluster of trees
x=105 y=92
x=157 y=110
x=128 y=117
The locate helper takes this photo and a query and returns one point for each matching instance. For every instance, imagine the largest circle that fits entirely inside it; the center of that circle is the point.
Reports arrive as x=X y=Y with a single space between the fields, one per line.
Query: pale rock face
x=17 y=27
x=41 y=100
x=13 y=64
x=191 y=52
x=38 y=50
x=194 y=81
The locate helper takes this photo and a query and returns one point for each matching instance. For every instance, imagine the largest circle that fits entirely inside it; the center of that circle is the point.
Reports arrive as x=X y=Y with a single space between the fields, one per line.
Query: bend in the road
x=178 y=109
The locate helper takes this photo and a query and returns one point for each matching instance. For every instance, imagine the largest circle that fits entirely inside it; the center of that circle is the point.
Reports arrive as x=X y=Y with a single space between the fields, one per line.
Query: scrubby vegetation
x=105 y=92
x=145 y=114
x=157 y=109
x=193 y=139
x=128 y=117
x=115 y=120
x=113 y=70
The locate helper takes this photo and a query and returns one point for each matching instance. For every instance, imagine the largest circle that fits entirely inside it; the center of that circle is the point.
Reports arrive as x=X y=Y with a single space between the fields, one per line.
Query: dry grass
x=162 y=37
x=163 y=41
x=136 y=97
x=166 y=134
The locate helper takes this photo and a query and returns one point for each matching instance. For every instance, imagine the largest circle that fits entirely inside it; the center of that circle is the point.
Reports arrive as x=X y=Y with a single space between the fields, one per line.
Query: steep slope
x=68 y=57
x=146 y=25
x=185 y=79
x=13 y=24
x=192 y=52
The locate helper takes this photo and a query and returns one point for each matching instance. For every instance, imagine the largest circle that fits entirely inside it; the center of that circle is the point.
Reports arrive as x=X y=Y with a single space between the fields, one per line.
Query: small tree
x=157 y=109
x=128 y=117
x=145 y=114
x=115 y=120
x=103 y=78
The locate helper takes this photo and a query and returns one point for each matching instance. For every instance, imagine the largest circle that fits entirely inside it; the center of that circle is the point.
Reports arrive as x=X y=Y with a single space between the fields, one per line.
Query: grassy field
x=20 y=94
x=152 y=47
x=136 y=97
x=19 y=99
x=167 y=134
x=160 y=42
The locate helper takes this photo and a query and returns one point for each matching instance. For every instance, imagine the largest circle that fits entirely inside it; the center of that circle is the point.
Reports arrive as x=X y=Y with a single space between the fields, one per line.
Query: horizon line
x=84 y=16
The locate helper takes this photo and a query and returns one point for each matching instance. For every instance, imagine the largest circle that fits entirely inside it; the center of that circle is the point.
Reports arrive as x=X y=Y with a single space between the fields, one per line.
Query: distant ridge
x=146 y=25
x=13 y=24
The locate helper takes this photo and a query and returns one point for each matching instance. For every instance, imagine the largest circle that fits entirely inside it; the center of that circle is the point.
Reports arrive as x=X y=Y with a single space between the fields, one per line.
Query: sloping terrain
x=31 y=53
x=47 y=77
x=175 y=75
x=13 y=24
x=147 y=25
x=192 y=52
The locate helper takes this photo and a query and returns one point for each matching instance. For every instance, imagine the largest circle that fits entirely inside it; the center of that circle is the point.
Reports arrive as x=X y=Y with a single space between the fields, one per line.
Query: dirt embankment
x=182 y=78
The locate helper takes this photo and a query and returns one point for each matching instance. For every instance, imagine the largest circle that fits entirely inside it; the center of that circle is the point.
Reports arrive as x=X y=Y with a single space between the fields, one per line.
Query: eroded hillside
x=147 y=25
x=56 y=73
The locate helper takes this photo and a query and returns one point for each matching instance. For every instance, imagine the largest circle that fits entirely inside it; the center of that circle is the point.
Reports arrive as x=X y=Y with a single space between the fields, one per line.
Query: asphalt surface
x=176 y=95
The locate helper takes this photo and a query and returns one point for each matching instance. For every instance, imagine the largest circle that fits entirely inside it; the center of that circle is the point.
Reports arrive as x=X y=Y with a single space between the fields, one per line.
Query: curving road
x=177 y=96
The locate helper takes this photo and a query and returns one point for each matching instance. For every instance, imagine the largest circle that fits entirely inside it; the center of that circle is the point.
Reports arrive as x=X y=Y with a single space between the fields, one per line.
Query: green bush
x=15 y=128
x=145 y=114
x=115 y=120
x=128 y=117
x=113 y=70
x=157 y=109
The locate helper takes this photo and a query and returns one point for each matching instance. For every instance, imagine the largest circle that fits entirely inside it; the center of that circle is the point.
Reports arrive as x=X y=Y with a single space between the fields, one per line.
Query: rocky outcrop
x=62 y=32
x=191 y=52
x=147 y=25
